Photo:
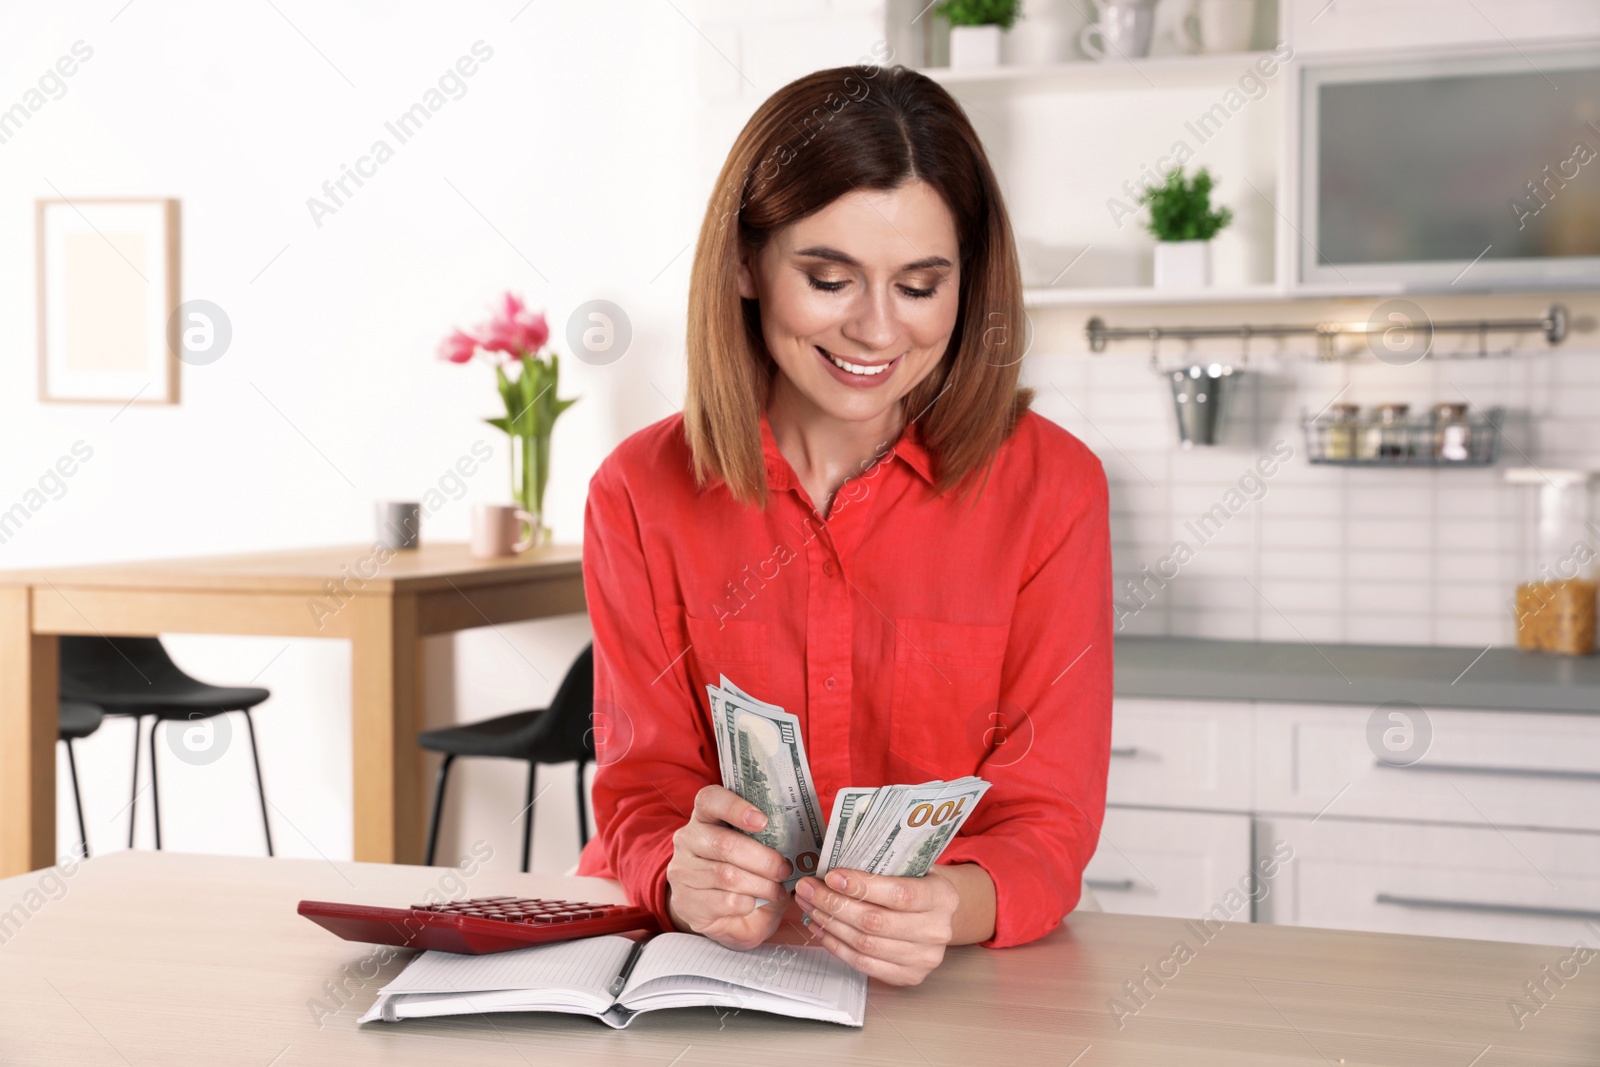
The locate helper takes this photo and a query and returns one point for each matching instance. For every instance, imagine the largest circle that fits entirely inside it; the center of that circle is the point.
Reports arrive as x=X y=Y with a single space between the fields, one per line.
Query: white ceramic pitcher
x=1123 y=32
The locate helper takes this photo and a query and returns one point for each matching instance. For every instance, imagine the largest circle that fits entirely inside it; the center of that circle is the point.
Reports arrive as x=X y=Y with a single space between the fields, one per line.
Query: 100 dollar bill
x=907 y=829
x=764 y=761
x=850 y=807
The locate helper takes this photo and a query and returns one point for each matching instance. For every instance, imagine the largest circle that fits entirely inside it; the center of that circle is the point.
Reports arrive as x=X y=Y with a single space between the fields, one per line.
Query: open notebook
x=614 y=978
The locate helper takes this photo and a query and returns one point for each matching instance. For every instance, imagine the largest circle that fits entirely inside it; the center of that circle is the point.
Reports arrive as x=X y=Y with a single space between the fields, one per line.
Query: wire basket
x=1471 y=439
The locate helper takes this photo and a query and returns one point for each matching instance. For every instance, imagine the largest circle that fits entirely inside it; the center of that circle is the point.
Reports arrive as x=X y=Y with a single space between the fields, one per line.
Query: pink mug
x=495 y=530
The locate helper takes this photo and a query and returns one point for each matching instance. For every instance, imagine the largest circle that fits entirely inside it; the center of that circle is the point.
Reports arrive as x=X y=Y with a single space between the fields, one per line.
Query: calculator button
x=550 y=920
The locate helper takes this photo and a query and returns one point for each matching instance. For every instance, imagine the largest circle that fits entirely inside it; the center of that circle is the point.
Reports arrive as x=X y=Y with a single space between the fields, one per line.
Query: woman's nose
x=871 y=323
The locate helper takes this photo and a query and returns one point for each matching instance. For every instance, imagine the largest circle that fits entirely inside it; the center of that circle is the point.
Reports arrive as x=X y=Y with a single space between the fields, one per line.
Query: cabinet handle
x=1125 y=753
x=1479 y=906
x=1508 y=772
x=1109 y=885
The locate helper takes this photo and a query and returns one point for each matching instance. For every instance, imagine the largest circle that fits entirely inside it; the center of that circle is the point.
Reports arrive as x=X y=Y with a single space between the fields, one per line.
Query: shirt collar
x=909 y=448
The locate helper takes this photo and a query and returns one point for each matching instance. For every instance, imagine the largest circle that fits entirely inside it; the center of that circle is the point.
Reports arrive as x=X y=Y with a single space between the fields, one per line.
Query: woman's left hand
x=892 y=929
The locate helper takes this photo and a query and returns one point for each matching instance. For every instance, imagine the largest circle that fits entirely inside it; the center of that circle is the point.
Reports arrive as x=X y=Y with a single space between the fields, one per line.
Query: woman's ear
x=747 y=278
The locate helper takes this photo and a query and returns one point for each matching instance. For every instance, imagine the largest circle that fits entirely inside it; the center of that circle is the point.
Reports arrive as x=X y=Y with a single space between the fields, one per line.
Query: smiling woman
x=858 y=519
x=897 y=172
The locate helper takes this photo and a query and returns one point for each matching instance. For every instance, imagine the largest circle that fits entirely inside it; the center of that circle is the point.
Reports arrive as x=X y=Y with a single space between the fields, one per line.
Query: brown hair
x=811 y=142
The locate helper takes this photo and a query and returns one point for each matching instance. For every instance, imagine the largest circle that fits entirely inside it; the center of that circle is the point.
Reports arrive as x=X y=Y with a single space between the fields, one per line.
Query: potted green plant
x=976 y=27
x=1183 y=222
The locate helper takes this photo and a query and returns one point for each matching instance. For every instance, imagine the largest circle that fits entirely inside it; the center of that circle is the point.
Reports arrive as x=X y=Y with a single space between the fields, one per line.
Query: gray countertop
x=1368 y=675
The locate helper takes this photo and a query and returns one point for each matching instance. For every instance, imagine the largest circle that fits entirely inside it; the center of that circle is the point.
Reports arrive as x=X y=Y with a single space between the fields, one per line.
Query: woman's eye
x=834 y=285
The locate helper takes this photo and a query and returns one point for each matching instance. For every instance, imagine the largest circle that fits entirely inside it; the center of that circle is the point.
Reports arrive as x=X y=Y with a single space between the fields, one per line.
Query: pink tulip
x=516 y=330
x=458 y=347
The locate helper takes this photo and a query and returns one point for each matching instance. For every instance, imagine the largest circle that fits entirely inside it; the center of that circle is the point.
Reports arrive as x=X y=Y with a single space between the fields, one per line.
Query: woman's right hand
x=718 y=871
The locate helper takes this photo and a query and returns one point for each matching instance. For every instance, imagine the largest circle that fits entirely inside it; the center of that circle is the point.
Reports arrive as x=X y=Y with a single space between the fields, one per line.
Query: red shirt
x=916 y=636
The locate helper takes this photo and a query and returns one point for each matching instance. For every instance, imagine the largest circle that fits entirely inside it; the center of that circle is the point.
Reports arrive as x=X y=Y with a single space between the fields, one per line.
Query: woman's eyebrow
x=833 y=254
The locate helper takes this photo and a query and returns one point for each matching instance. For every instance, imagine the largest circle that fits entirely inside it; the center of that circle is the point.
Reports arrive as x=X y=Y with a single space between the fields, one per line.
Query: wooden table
x=383 y=604
x=156 y=958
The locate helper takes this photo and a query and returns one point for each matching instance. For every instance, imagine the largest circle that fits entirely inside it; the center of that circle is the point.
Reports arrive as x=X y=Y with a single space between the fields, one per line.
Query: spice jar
x=1452 y=433
x=1339 y=433
x=1384 y=438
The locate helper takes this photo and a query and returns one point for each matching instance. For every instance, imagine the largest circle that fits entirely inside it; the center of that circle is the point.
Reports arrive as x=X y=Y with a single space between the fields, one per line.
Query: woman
x=858 y=519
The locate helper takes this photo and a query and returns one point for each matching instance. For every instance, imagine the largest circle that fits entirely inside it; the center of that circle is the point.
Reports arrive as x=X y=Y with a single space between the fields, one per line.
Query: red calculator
x=477 y=926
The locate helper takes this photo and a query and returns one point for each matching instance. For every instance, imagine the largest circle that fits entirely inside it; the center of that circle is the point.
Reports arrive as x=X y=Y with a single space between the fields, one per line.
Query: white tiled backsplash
x=1323 y=553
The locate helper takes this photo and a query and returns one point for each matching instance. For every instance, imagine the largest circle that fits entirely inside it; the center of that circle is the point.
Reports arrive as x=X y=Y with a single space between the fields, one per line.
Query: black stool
x=560 y=733
x=76 y=720
x=134 y=676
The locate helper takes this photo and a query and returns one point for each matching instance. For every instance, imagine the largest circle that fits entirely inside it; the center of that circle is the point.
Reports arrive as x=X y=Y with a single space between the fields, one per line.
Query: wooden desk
x=156 y=958
x=383 y=609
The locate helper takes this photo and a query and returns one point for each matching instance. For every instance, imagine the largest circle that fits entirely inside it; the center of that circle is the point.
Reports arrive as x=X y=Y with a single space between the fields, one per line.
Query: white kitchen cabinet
x=1493 y=833
x=1177 y=863
x=1180 y=754
x=1383 y=26
x=1445 y=881
x=1480 y=768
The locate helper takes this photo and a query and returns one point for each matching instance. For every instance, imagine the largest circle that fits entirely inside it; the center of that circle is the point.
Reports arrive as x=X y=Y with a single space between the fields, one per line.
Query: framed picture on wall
x=108 y=288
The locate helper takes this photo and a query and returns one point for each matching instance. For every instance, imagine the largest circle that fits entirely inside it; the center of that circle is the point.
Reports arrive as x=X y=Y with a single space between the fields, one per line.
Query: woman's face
x=859 y=299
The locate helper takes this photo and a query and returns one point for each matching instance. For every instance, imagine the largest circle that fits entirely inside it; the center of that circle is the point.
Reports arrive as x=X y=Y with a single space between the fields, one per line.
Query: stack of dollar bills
x=897 y=830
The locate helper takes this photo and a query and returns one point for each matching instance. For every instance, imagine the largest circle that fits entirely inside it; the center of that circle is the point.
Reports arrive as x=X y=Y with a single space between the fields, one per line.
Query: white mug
x=495 y=530
x=1125 y=29
x=1221 y=25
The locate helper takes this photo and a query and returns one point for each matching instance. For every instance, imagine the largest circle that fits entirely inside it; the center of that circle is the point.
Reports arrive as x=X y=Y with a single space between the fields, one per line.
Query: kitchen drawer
x=1480 y=768
x=1445 y=881
x=1178 y=863
x=1180 y=754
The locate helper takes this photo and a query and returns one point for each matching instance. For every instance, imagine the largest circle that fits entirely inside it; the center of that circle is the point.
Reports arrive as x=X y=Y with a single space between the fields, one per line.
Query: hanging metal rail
x=1553 y=325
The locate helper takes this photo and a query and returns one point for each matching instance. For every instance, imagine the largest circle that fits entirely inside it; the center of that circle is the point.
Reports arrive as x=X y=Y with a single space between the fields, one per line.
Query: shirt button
x=828 y=568
x=828 y=683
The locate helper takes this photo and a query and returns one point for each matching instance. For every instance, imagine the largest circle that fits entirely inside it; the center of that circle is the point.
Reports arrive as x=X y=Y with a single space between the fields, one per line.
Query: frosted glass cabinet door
x=1178 y=863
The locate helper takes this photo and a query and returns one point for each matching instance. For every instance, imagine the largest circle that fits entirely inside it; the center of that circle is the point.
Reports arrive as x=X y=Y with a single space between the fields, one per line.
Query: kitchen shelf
x=1156 y=72
x=1412 y=442
x=1049 y=297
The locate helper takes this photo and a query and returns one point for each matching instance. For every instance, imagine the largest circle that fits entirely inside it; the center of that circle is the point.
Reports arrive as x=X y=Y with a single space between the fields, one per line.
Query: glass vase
x=530 y=472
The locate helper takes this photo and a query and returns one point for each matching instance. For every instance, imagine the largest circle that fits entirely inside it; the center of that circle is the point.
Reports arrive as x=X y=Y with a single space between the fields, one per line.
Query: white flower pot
x=975 y=46
x=1183 y=264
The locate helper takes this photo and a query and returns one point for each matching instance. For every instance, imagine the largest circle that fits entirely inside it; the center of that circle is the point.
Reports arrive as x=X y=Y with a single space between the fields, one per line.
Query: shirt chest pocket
x=738 y=648
x=946 y=682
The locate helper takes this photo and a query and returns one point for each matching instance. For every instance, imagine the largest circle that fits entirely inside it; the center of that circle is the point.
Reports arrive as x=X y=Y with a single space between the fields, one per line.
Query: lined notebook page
x=589 y=965
x=805 y=972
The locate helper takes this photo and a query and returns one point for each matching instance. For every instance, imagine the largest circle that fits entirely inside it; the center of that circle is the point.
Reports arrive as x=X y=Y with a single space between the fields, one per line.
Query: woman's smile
x=858 y=373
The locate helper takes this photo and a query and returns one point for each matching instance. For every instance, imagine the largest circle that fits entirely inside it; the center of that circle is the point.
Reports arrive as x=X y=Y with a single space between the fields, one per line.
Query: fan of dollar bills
x=897 y=830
